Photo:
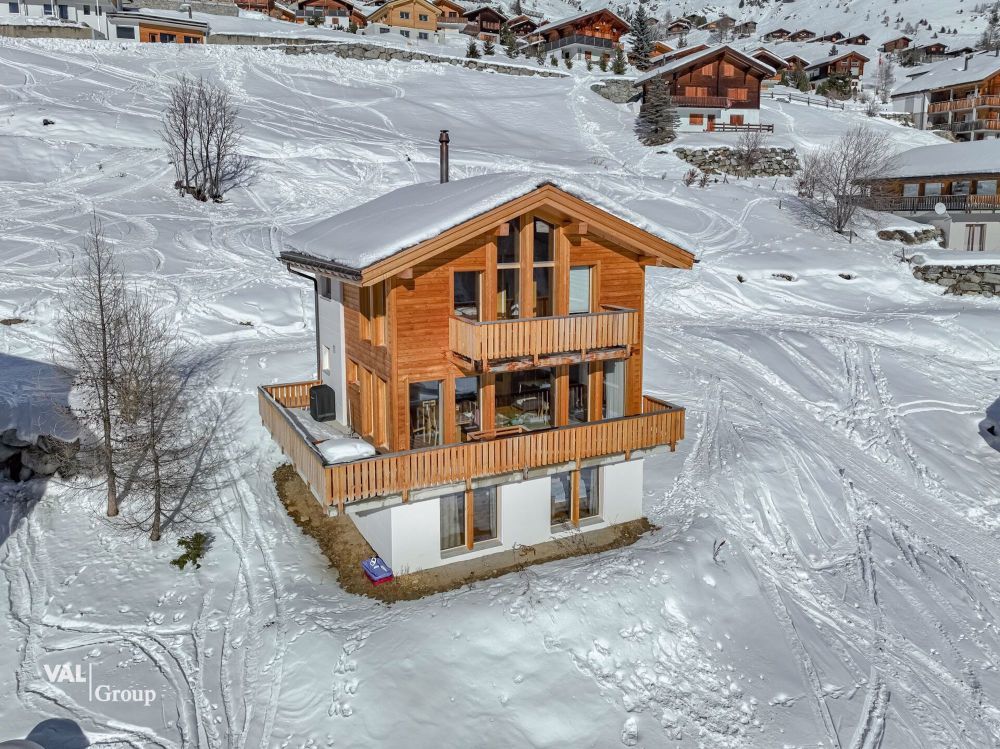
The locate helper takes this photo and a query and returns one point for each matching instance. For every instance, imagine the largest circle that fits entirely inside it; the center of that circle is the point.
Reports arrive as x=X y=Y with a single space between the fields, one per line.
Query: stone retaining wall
x=618 y=90
x=252 y=40
x=363 y=51
x=46 y=31
x=773 y=162
x=198 y=6
x=983 y=280
x=22 y=459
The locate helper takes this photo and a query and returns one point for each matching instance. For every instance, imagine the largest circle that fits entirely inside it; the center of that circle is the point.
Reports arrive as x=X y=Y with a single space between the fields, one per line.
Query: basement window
x=14 y=8
x=125 y=32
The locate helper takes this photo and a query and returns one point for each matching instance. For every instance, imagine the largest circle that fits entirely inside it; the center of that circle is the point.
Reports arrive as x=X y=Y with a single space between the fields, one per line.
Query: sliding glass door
x=614 y=389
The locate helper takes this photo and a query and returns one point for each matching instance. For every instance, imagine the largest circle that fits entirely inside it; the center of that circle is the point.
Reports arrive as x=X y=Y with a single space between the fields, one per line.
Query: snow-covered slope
x=833 y=441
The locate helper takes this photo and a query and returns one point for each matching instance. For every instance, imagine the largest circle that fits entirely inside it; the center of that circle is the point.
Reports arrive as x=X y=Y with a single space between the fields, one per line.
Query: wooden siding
x=705 y=78
x=391 y=14
x=150 y=32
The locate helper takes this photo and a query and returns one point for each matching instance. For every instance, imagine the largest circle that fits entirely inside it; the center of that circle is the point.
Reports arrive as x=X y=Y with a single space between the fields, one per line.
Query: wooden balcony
x=527 y=342
x=712 y=102
x=926 y=203
x=967 y=102
x=400 y=473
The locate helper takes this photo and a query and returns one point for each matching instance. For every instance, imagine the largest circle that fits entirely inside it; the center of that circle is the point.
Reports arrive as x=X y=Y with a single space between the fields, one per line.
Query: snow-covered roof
x=682 y=62
x=403 y=218
x=951 y=72
x=813 y=53
x=576 y=17
x=973 y=157
x=170 y=16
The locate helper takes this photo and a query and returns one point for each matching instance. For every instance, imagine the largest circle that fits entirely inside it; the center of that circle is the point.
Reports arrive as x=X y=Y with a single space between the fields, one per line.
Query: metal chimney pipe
x=444 y=140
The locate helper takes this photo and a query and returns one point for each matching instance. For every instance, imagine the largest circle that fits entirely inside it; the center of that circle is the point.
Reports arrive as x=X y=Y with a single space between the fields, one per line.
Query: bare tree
x=202 y=133
x=169 y=427
x=885 y=77
x=749 y=150
x=836 y=177
x=90 y=331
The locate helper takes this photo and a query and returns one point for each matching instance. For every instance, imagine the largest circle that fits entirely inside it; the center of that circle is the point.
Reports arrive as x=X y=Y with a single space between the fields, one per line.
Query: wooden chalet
x=523 y=25
x=719 y=24
x=802 y=35
x=858 y=40
x=411 y=18
x=161 y=27
x=714 y=89
x=451 y=12
x=483 y=342
x=773 y=60
x=850 y=64
x=962 y=97
x=585 y=34
x=775 y=35
x=331 y=12
x=678 y=26
x=745 y=28
x=930 y=51
x=660 y=48
x=897 y=44
x=484 y=22
x=960 y=177
x=834 y=37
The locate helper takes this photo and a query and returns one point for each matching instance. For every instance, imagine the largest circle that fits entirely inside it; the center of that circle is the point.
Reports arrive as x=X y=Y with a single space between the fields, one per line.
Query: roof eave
x=308 y=262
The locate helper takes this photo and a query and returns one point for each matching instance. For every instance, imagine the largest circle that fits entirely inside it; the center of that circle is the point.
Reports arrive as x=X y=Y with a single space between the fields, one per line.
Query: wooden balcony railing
x=713 y=102
x=660 y=423
x=967 y=102
x=968 y=126
x=485 y=342
x=959 y=203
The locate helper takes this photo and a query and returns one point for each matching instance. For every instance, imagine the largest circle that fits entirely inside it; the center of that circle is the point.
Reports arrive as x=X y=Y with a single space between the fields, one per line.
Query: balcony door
x=425 y=414
x=466 y=295
x=525 y=399
x=614 y=389
x=509 y=273
x=974 y=235
x=580 y=290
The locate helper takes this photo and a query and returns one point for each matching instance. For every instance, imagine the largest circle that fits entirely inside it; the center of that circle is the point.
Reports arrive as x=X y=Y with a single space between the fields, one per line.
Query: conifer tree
x=618 y=62
x=642 y=38
x=658 y=119
x=472 y=51
x=508 y=41
x=489 y=48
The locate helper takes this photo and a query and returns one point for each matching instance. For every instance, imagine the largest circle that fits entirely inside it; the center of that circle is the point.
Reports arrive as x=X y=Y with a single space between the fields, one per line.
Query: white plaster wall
x=750 y=116
x=525 y=510
x=956 y=234
x=331 y=333
x=621 y=492
x=416 y=536
x=376 y=527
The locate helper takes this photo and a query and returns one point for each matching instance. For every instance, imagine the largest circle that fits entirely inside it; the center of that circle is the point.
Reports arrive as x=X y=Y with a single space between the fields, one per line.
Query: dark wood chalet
x=585 y=34
x=897 y=44
x=337 y=12
x=451 y=12
x=484 y=21
x=523 y=25
x=802 y=35
x=859 y=40
x=777 y=35
x=678 y=26
x=835 y=36
x=745 y=28
x=851 y=64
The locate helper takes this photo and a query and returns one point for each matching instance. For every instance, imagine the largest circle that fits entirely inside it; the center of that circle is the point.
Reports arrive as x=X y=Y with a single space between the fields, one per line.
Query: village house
x=951 y=186
x=88 y=12
x=483 y=340
x=896 y=44
x=745 y=28
x=773 y=60
x=802 y=35
x=858 y=40
x=583 y=35
x=775 y=35
x=722 y=23
x=523 y=25
x=484 y=22
x=677 y=26
x=451 y=14
x=834 y=37
x=411 y=19
x=160 y=26
x=337 y=13
x=660 y=49
x=714 y=89
x=961 y=96
x=850 y=64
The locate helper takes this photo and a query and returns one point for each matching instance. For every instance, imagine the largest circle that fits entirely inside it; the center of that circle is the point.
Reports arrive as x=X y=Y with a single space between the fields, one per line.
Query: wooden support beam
x=469 y=527
x=576 y=229
x=501 y=231
x=407 y=275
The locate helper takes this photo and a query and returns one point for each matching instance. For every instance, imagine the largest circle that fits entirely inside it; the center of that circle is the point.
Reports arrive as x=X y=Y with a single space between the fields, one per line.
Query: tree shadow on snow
x=989 y=428
x=34 y=400
x=58 y=733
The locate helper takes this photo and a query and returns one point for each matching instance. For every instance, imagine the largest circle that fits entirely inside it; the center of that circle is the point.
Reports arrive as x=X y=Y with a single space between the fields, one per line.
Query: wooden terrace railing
x=660 y=423
x=484 y=342
x=966 y=102
x=961 y=203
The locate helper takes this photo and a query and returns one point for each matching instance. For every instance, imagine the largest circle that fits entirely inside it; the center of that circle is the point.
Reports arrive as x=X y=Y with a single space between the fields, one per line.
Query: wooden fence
x=272 y=402
x=807 y=100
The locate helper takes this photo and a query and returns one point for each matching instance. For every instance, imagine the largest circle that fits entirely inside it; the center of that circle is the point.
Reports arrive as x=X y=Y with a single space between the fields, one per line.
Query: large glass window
x=932 y=188
x=508 y=247
x=544 y=299
x=425 y=414
x=543 y=242
x=561 y=509
x=467 y=412
x=960 y=187
x=911 y=189
x=579 y=389
x=579 y=290
x=614 y=389
x=590 y=491
x=484 y=514
x=508 y=293
x=466 y=291
x=524 y=399
x=986 y=187
x=452 y=520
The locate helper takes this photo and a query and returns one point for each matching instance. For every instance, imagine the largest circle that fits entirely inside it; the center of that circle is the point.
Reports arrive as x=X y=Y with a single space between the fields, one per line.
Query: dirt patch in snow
x=345 y=547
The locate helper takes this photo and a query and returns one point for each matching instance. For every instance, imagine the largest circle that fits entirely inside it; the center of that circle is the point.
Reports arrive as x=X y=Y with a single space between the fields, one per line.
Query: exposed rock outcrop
x=618 y=90
x=772 y=162
x=21 y=459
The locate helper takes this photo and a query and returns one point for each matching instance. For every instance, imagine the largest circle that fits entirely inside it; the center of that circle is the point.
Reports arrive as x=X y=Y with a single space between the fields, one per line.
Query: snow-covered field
x=833 y=441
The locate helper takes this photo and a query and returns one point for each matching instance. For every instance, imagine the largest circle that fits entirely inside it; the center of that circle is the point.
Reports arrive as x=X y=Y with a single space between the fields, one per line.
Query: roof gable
x=606 y=12
x=383 y=10
x=388 y=234
x=677 y=65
